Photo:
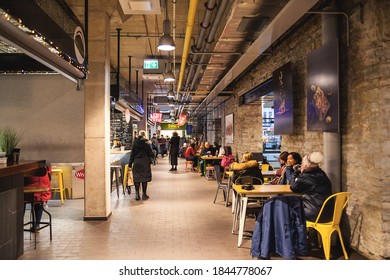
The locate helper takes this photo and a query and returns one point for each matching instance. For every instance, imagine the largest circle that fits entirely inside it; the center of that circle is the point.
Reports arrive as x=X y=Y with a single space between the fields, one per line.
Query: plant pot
x=10 y=158
x=14 y=156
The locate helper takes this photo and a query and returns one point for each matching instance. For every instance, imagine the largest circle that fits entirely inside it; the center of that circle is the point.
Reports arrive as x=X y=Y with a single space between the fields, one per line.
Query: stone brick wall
x=248 y=118
x=365 y=125
x=364 y=115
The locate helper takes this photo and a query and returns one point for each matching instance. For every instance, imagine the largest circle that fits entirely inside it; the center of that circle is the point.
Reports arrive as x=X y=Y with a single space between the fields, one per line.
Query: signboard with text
x=157 y=117
x=172 y=126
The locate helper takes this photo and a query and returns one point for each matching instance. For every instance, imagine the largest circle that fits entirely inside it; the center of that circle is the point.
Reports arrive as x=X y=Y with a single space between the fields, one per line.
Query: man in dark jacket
x=314 y=184
x=140 y=160
x=174 y=144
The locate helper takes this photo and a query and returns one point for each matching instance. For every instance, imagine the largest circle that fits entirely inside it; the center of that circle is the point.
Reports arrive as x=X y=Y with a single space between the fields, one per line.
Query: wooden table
x=209 y=158
x=241 y=202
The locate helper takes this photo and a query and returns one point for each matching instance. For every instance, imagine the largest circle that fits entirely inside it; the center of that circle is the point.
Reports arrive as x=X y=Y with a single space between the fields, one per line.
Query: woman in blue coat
x=140 y=161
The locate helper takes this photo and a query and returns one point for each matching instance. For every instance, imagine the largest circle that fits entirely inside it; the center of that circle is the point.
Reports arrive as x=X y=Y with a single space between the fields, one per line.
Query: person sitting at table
x=247 y=167
x=279 y=172
x=217 y=148
x=227 y=158
x=208 y=150
x=200 y=148
x=42 y=197
x=311 y=181
x=191 y=156
x=293 y=159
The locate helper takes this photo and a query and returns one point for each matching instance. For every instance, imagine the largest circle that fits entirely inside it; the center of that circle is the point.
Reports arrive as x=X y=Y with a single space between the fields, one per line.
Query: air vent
x=140 y=7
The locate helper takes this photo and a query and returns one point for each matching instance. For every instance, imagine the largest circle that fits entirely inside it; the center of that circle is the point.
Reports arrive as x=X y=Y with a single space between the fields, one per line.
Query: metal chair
x=254 y=205
x=115 y=169
x=61 y=187
x=326 y=229
x=220 y=185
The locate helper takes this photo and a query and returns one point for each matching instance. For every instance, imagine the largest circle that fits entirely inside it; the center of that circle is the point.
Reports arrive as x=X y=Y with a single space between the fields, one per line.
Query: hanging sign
x=157 y=117
x=182 y=119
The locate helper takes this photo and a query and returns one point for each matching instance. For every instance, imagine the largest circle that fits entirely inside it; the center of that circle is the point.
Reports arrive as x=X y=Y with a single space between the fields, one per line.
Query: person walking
x=174 y=144
x=140 y=161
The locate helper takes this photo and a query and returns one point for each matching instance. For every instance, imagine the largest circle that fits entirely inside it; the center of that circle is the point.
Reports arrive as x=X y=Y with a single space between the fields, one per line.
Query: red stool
x=191 y=164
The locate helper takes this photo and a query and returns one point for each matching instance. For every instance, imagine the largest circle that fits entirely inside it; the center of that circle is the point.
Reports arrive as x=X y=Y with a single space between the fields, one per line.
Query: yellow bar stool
x=60 y=175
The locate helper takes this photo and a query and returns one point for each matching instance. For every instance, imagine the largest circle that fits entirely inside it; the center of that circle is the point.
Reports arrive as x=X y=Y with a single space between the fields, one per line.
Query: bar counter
x=12 y=206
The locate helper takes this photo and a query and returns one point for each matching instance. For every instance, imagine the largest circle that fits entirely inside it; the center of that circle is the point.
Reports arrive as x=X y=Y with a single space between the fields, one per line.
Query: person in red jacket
x=191 y=155
x=40 y=181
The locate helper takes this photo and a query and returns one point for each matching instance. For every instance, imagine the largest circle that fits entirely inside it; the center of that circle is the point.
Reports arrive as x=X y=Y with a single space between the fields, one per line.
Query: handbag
x=130 y=178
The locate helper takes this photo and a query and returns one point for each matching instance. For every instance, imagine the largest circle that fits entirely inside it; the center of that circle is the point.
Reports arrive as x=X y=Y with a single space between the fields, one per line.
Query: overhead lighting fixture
x=170 y=94
x=140 y=5
x=166 y=42
x=169 y=77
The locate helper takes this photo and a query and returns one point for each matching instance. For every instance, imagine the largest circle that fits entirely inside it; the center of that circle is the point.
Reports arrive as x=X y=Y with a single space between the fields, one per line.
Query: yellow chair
x=127 y=176
x=60 y=175
x=326 y=229
x=265 y=167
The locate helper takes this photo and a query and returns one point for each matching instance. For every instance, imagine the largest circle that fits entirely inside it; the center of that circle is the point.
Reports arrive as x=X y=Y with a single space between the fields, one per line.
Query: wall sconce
x=166 y=42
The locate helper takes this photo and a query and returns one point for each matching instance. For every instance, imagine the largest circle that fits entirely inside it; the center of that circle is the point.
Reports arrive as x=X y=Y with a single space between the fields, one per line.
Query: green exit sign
x=150 y=64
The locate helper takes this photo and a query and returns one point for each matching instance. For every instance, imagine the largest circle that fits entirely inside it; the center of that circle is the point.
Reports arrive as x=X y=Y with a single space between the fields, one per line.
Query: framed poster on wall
x=283 y=100
x=323 y=89
x=229 y=129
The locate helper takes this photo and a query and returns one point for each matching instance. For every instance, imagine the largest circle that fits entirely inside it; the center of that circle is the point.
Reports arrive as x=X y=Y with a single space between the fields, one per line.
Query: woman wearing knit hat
x=313 y=183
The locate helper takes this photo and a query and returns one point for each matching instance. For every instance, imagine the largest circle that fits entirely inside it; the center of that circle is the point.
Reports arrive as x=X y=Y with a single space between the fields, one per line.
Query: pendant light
x=166 y=42
x=169 y=76
x=170 y=94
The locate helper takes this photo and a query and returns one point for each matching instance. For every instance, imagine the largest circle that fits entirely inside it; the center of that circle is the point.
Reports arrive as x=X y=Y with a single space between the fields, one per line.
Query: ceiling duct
x=292 y=12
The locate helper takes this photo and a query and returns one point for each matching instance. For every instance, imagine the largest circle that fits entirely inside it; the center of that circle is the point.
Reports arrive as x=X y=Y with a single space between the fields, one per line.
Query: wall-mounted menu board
x=121 y=131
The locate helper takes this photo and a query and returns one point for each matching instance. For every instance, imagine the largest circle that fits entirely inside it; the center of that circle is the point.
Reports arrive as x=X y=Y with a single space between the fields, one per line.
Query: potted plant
x=9 y=139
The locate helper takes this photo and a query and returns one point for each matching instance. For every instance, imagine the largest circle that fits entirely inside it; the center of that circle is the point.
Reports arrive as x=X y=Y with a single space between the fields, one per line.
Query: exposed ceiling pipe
x=210 y=6
x=174 y=38
x=205 y=24
x=210 y=40
x=118 y=61
x=187 y=40
x=288 y=16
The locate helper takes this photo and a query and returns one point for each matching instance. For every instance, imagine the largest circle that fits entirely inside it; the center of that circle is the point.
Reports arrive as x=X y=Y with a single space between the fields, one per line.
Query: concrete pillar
x=97 y=119
x=332 y=145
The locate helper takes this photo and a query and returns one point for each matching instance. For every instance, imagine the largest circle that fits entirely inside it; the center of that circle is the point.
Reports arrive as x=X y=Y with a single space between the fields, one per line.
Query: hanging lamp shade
x=169 y=77
x=166 y=42
x=170 y=94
